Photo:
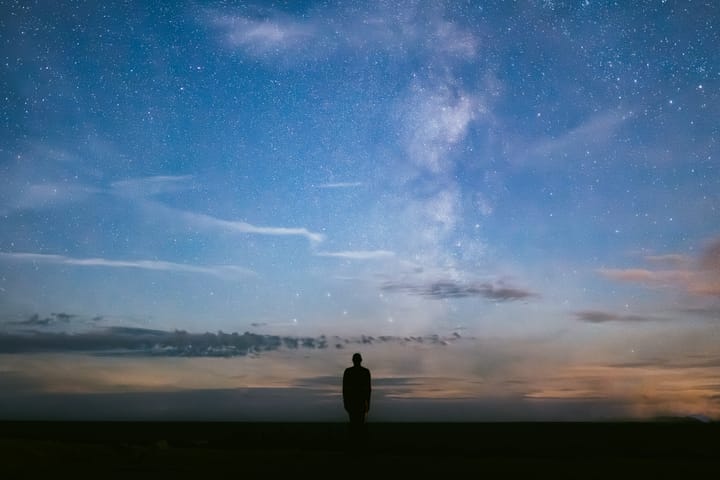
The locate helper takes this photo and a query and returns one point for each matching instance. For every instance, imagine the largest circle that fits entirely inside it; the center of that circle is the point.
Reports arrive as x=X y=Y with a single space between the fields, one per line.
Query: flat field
x=501 y=450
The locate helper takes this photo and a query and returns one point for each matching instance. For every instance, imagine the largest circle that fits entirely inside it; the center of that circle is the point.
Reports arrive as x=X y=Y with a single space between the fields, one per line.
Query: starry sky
x=508 y=206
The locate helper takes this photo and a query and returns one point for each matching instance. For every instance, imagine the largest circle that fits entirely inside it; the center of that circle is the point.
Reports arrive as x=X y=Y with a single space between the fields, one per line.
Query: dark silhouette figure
x=356 y=396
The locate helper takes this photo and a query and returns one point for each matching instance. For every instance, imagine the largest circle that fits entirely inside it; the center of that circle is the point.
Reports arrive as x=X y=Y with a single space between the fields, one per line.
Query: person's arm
x=369 y=391
x=345 y=390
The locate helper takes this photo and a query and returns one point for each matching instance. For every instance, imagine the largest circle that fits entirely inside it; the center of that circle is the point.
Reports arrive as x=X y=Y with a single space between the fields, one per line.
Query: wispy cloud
x=334 y=185
x=597 y=129
x=707 y=310
x=672 y=259
x=390 y=28
x=139 y=189
x=157 y=265
x=358 y=254
x=645 y=276
x=699 y=276
x=43 y=195
x=709 y=269
x=260 y=36
x=200 y=220
x=149 y=186
x=36 y=196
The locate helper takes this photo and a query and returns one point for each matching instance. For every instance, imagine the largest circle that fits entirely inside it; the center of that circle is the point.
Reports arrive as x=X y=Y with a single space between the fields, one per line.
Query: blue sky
x=537 y=176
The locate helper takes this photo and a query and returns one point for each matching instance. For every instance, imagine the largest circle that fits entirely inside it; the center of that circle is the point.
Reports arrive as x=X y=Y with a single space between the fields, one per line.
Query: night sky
x=512 y=209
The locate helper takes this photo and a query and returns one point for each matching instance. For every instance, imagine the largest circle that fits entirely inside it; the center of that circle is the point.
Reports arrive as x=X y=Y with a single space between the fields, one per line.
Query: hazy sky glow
x=512 y=209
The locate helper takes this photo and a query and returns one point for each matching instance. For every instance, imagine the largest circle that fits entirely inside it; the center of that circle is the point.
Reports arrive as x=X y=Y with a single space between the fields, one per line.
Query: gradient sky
x=512 y=207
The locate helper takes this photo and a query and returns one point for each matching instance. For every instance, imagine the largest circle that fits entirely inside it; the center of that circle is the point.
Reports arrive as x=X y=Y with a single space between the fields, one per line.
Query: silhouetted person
x=356 y=396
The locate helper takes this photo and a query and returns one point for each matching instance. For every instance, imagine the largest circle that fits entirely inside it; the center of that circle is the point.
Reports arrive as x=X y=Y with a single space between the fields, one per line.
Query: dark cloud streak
x=597 y=316
x=36 y=320
x=147 y=342
x=441 y=290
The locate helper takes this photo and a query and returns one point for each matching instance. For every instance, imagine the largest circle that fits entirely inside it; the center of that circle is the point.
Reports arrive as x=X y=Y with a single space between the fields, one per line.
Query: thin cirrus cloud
x=646 y=276
x=157 y=265
x=672 y=259
x=260 y=36
x=390 y=28
x=699 y=276
x=43 y=195
x=140 y=189
x=595 y=130
x=358 y=254
x=336 y=185
x=200 y=220
x=149 y=186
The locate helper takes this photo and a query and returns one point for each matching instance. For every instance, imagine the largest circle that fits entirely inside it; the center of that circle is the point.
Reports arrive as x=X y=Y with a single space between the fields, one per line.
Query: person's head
x=357 y=359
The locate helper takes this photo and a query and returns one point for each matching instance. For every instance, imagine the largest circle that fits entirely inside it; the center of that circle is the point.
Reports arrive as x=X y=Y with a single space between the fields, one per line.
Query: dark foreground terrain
x=247 y=450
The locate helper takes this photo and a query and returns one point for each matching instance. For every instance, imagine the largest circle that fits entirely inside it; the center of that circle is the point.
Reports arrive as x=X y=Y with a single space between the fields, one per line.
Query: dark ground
x=489 y=450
